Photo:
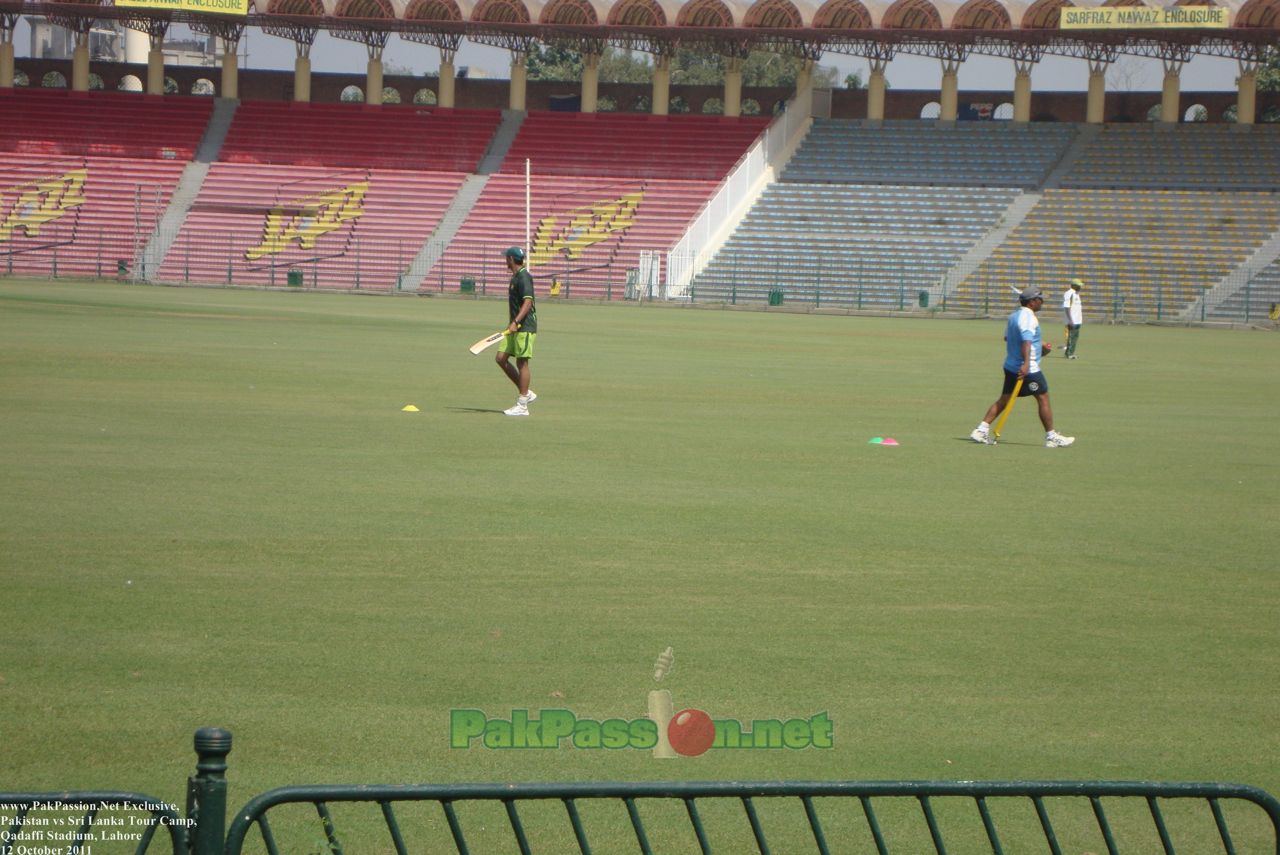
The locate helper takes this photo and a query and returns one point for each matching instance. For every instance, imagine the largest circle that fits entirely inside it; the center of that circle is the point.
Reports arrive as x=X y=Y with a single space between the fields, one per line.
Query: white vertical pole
x=528 y=250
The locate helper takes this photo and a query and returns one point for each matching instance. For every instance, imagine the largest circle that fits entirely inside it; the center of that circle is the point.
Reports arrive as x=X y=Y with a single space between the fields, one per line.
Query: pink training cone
x=888 y=440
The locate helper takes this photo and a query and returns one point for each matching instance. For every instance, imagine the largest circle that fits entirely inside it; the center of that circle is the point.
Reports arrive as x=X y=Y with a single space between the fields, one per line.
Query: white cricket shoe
x=517 y=410
x=980 y=436
x=1057 y=440
x=533 y=396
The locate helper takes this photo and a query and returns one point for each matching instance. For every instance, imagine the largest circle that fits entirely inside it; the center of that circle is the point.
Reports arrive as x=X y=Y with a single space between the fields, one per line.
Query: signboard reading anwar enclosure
x=219 y=7
x=1142 y=18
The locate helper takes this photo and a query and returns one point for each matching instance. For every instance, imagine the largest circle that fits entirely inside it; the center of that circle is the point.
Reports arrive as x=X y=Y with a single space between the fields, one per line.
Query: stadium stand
x=343 y=135
x=1154 y=156
x=84 y=176
x=882 y=243
x=77 y=215
x=970 y=154
x=329 y=227
x=1254 y=300
x=604 y=189
x=101 y=124
x=1146 y=252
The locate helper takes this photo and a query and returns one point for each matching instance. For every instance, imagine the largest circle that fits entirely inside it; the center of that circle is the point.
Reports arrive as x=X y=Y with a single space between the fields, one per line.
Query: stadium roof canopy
x=947 y=29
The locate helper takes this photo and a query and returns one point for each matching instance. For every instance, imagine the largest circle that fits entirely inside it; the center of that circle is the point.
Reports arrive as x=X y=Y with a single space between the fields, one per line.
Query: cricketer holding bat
x=1022 y=361
x=521 y=332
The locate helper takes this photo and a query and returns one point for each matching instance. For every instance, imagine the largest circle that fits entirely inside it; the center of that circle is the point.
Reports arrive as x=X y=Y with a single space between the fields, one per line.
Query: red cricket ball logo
x=691 y=732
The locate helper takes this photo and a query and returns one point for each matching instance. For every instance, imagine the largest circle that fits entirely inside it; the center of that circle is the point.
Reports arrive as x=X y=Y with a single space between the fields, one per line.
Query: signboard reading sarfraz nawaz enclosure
x=217 y=7
x=1143 y=17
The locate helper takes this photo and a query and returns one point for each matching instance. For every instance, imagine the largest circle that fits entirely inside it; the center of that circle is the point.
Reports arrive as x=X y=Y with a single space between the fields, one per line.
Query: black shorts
x=1033 y=384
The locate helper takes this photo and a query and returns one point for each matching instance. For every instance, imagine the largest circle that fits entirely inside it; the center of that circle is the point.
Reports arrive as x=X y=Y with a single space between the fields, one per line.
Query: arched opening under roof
x=912 y=15
x=982 y=15
x=1196 y=113
x=932 y=110
x=295 y=7
x=95 y=81
x=130 y=83
x=433 y=10
x=204 y=86
x=1258 y=13
x=1044 y=14
x=705 y=13
x=842 y=15
x=501 y=12
x=369 y=9
x=425 y=96
x=569 y=13
x=713 y=107
x=637 y=13
x=352 y=95
x=1003 y=112
x=54 y=80
x=774 y=14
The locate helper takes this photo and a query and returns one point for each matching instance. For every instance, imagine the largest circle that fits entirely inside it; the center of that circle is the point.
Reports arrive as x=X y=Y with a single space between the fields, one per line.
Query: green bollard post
x=207 y=792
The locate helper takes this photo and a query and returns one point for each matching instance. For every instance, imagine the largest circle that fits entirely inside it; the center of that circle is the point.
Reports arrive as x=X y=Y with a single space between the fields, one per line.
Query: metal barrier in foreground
x=650 y=817
x=863 y=797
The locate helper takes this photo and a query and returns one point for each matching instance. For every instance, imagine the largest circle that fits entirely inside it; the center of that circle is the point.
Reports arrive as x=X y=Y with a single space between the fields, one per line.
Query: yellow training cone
x=409 y=409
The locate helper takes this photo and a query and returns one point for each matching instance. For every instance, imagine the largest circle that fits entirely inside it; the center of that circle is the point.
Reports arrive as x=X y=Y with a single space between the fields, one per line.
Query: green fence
x=828 y=816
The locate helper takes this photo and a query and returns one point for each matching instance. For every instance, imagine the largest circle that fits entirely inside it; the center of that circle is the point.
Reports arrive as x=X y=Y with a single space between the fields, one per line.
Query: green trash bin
x=295 y=278
x=923 y=296
x=467 y=286
x=775 y=296
x=122 y=268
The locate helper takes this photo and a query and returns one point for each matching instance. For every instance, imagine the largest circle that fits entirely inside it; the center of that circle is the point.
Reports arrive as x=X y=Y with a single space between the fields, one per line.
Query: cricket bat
x=487 y=342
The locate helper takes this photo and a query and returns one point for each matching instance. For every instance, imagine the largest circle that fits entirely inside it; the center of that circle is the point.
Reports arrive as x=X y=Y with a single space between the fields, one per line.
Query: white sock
x=522 y=399
x=984 y=426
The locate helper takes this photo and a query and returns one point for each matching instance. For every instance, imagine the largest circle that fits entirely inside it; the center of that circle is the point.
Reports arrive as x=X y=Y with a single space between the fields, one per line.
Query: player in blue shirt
x=1022 y=359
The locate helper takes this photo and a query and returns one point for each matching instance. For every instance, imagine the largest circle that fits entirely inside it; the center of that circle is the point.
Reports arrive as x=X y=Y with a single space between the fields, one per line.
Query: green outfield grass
x=214 y=512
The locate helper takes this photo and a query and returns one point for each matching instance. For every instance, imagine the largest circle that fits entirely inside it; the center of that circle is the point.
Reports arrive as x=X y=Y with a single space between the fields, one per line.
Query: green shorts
x=519 y=345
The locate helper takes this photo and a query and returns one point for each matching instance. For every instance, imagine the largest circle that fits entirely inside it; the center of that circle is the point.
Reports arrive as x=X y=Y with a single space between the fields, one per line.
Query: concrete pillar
x=950 y=90
x=230 y=68
x=590 y=82
x=1170 y=94
x=80 y=64
x=302 y=78
x=1095 y=106
x=661 y=85
x=6 y=65
x=155 y=70
x=733 y=86
x=448 y=75
x=519 y=81
x=804 y=77
x=876 y=89
x=1246 y=96
x=1022 y=90
x=373 y=81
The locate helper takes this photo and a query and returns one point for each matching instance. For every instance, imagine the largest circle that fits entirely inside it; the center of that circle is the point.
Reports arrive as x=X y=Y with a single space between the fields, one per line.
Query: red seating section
x=604 y=188
x=632 y=145
x=386 y=137
x=101 y=124
x=336 y=228
x=79 y=216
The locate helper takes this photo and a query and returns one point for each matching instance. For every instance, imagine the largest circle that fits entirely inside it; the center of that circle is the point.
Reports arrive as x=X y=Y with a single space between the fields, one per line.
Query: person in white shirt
x=1074 y=310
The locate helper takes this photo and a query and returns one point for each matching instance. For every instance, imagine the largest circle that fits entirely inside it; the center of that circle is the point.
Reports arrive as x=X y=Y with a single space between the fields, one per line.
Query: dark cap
x=1031 y=292
x=515 y=253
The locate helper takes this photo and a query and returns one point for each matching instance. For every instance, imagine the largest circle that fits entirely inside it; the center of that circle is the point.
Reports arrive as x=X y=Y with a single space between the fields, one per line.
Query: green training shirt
x=521 y=288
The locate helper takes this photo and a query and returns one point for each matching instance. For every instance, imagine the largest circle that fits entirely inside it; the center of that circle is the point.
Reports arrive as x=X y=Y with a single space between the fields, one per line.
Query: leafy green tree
x=623 y=66
x=553 y=62
x=1269 y=72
